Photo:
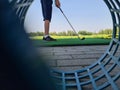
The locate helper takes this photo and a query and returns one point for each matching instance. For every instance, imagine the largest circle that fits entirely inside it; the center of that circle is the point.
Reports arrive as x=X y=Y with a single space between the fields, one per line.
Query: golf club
x=71 y=25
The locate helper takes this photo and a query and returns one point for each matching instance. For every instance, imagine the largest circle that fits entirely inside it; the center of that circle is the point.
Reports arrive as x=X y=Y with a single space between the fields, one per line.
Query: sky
x=89 y=15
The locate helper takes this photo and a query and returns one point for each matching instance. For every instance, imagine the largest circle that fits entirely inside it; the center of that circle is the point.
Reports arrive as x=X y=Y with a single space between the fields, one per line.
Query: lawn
x=68 y=41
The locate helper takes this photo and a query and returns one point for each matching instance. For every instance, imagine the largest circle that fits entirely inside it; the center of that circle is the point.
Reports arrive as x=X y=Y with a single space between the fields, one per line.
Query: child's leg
x=47 y=14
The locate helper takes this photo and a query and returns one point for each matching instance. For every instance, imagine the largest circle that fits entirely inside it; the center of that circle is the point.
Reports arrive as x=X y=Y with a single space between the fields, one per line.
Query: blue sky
x=89 y=15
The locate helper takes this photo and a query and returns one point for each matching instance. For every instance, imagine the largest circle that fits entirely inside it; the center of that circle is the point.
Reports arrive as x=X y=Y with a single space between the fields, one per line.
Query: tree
x=71 y=33
x=105 y=31
x=35 y=34
x=62 y=33
x=53 y=33
x=39 y=33
x=32 y=34
x=83 y=32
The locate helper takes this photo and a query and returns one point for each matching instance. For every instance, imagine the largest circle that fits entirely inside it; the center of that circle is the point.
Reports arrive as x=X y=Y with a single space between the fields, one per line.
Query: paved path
x=72 y=57
x=77 y=57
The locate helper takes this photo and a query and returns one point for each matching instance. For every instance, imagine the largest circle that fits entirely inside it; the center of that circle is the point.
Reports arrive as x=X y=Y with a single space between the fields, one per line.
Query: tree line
x=72 y=33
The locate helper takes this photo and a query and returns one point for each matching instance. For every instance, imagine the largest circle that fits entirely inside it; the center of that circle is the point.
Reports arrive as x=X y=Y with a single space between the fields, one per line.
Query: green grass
x=70 y=41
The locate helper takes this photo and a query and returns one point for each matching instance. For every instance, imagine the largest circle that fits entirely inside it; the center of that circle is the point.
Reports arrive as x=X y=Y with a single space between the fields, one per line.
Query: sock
x=46 y=36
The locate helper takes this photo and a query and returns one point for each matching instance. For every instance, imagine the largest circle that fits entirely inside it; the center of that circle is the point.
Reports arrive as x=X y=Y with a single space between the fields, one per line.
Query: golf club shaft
x=69 y=23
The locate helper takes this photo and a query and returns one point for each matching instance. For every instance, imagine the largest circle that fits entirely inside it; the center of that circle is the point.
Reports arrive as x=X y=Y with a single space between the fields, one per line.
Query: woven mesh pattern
x=105 y=73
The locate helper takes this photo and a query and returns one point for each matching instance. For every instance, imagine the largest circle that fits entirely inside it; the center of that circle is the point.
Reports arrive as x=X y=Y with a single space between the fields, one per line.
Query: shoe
x=48 y=38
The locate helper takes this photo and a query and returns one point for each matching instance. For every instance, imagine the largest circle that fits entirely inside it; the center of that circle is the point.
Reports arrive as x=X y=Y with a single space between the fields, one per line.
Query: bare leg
x=46 y=32
x=46 y=27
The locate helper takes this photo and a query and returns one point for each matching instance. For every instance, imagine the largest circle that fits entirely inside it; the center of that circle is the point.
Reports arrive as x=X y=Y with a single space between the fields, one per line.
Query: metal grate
x=21 y=7
x=105 y=73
